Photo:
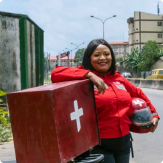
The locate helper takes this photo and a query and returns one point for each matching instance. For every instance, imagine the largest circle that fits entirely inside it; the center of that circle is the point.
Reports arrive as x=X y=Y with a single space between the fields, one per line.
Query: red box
x=53 y=123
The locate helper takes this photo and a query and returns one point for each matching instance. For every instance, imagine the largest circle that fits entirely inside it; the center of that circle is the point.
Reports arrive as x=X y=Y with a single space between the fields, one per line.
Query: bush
x=5 y=126
x=5 y=133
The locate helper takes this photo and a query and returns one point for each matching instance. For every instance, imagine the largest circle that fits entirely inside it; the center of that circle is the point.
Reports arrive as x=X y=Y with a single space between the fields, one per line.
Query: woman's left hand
x=155 y=123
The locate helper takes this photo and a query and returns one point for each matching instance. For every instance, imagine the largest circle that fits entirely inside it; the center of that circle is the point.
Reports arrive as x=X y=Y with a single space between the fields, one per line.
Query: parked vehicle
x=126 y=74
x=157 y=74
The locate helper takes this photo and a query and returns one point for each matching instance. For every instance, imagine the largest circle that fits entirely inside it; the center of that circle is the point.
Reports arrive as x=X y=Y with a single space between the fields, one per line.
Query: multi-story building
x=143 y=27
x=120 y=48
x=64 y=61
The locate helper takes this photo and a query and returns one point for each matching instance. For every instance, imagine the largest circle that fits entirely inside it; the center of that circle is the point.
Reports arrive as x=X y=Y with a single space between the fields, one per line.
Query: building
x=120 y=48
x=143 y=27
x=64 y=61
x=158 y=64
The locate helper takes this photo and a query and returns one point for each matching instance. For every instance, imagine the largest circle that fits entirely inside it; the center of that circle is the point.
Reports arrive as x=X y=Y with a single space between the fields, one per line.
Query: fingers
x=154 y=128
x=101 y=87
x=98 y=82
x=155 y=123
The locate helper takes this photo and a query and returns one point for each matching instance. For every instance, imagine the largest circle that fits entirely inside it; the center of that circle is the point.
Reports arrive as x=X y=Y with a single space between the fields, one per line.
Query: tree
x=151 y=52
x=119 y=59
x=132 y=60
x=79 y=56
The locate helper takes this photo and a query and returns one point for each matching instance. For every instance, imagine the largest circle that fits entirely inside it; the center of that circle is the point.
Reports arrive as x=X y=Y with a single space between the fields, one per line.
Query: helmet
x=141 y=119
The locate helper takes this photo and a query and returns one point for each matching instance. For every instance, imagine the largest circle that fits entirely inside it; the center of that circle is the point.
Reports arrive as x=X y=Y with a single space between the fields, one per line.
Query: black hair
x=86 y=63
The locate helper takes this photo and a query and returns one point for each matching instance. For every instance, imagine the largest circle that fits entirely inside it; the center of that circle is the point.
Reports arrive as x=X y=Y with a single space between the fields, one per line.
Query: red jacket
x=114 y=106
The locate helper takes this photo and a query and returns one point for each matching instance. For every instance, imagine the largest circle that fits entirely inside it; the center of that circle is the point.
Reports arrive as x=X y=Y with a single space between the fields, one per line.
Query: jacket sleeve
x=137 y=92
x=62 y=73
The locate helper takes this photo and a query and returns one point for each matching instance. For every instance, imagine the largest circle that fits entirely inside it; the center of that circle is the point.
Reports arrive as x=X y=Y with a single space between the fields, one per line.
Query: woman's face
x=101 y=59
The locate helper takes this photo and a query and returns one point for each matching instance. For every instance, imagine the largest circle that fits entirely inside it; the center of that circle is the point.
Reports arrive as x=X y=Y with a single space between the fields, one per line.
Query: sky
x=68 y=21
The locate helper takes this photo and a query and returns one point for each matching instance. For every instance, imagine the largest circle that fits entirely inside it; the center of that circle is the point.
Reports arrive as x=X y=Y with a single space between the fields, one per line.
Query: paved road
x=148 y=148
x=7 y=153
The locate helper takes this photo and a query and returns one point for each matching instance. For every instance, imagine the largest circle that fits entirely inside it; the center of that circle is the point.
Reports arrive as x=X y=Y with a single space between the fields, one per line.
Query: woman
x=112 y=96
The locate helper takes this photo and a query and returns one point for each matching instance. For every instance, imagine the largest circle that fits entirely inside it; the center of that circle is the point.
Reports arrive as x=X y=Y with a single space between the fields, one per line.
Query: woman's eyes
x=97 y=55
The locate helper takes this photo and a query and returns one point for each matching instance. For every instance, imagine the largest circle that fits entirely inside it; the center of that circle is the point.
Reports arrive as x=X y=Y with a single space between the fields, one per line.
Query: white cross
x=138 y=102
x=76 y=115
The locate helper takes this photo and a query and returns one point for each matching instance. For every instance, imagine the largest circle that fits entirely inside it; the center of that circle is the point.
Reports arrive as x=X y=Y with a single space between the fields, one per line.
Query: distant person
x=113 y=96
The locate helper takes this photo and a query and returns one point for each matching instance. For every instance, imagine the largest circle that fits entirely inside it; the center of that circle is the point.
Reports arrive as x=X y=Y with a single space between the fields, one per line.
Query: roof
x=119 y=43
x=130 y=20
x=19 y=16
x=157 y=69
x=55 y=58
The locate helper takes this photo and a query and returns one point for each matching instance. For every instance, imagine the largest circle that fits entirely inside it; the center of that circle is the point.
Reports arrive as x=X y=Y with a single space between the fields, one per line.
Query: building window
x=161 y=72
x=159 y=35
x=159 y=23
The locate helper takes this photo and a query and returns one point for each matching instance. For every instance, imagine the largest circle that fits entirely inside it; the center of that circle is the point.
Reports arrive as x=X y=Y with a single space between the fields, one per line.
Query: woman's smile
x=102 y=63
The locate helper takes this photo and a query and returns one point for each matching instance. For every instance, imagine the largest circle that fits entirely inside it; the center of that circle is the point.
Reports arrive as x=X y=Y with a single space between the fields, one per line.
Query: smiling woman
x=113 y=97
x=99 y=54
x=101 y=59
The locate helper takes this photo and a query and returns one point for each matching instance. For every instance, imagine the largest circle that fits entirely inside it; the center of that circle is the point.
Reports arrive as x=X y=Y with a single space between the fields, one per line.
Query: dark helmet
x=141 y=119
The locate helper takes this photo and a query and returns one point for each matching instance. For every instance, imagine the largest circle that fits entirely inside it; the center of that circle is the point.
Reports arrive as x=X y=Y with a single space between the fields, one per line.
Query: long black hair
x=86 y=63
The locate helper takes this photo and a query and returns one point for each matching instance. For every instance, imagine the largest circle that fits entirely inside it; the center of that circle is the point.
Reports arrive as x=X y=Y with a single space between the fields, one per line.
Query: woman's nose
x=102 y=56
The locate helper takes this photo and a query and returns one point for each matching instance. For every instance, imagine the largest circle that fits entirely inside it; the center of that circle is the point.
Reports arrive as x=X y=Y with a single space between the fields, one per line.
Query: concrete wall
x=31 y=54
x=147 y=83
x=150 y=16
x=158 y=65
x=9 y=54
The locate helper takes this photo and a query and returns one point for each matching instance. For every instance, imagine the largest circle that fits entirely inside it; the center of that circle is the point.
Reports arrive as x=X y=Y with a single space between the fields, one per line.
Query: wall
x=21 y=53
x=147 y=83
x=158 y=64
x=9 y=54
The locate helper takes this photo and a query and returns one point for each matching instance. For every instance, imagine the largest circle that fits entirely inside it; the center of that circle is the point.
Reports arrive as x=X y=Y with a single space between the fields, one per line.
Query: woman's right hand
x=98 y=82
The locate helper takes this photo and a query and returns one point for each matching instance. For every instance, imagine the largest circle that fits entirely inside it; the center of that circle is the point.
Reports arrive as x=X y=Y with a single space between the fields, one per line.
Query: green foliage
x=143 y=60
x=3 y=117
x=47 y=80
x=2 y=93
x=5 y=129
x=131 y=61
x=151 y=52
x=5 y=134
x=79 y=56
x=119 y=59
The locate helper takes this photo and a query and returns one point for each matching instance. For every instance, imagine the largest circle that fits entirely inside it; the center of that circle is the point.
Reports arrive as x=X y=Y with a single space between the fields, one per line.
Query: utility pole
x=48 y=64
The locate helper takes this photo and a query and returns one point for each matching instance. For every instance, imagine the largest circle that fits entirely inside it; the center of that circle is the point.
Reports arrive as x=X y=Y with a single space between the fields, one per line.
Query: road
x=148 y=148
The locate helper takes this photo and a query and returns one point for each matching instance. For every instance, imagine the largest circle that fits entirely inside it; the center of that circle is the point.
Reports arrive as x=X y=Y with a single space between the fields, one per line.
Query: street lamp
x=71 y=55
x=77 y=45
x=103 y=21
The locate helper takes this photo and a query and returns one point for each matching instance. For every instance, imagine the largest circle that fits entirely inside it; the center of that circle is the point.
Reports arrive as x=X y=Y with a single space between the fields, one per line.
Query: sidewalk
x=7 y=153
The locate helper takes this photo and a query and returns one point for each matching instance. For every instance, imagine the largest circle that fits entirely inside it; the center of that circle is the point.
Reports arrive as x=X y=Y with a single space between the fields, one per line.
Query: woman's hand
x=155 y=123
x=98 y=82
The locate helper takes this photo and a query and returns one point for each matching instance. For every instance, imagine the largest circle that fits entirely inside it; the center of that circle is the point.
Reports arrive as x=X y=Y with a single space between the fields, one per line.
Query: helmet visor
x=141 y=117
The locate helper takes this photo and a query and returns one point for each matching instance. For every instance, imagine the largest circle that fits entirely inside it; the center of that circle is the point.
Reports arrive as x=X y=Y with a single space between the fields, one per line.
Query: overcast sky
x=66 y=21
